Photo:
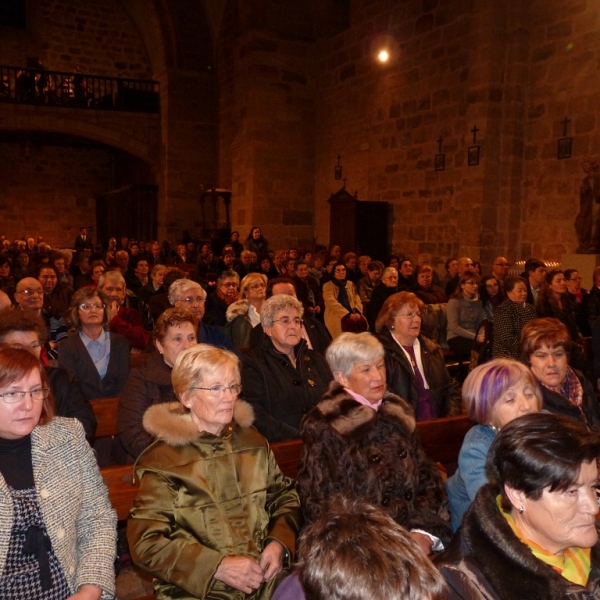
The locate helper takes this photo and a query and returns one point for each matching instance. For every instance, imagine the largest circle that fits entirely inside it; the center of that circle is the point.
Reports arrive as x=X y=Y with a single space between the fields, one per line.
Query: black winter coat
x=351 y=450
x=486 y=561
x=401 y=380
x=556 y=403
x=280 y=393
x=146 y=385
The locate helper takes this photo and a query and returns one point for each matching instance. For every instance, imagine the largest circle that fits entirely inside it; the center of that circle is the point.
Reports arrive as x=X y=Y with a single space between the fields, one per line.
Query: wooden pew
x=441 y=439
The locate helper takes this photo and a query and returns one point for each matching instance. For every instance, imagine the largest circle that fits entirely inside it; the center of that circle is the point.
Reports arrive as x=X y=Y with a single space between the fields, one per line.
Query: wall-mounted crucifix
x=473 y=154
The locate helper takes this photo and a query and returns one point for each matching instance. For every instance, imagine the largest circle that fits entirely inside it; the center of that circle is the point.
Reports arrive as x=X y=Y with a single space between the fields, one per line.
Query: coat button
x=60 y=534
x=71 y=570
x=44 y=494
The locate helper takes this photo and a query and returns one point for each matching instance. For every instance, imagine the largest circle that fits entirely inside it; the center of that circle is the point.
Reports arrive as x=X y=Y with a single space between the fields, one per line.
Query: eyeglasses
x=218 y=391
x=193 y=300
x=286 y=321
x=257 y=286
x=470 y=283
x=30 y=292
x=87 y=307
x=15 y=396
x=412 y=315
x=229 y=284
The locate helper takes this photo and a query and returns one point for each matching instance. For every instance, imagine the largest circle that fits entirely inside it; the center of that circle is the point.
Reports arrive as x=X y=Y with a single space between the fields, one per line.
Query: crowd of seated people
x=332 y=349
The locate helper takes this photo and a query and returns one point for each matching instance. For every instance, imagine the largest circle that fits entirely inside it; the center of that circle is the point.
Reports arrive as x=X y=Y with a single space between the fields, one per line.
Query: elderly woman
x=214 y=517
x=7 y=281
x=343 y=308
x=414 y=365
x=406 y=278
x=387 y=287
x=150 y=383
x=282 y=377
x=23 y=266
x=510 y=318
x=531 y=532
x=360 y=442
x=244 y=314
x=58 y=529
x=494 y=394
x=545 y=348
x=98 y=359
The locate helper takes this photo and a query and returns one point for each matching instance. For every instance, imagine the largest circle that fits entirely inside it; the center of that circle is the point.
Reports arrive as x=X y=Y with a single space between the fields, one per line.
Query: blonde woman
x=244 y=314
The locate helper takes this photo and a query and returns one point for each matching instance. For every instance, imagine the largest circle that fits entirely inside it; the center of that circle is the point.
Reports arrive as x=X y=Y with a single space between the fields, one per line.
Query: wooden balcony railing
x=23 y=85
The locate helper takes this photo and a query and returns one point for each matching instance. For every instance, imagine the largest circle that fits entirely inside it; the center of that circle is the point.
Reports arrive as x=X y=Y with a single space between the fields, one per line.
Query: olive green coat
x=204 y=497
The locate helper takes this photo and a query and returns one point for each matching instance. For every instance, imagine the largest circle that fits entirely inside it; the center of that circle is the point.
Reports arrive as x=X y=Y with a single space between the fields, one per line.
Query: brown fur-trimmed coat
x=352 y=450
x=486 y=561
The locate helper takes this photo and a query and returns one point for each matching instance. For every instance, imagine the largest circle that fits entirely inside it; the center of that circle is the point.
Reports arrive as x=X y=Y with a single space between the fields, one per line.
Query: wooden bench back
x=105 y=410
x=441 y=441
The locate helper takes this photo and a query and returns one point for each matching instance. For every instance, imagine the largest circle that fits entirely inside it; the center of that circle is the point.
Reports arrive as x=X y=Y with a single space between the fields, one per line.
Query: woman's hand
x=271 y=560
x=87 y=592
x=241 y=573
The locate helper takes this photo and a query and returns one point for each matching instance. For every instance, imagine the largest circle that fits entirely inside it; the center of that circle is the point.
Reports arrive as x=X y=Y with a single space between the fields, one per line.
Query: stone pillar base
x=584 y=263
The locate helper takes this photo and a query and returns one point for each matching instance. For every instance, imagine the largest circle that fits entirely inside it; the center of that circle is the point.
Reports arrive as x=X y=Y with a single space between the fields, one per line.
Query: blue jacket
x=215 y=336
x=470 y=475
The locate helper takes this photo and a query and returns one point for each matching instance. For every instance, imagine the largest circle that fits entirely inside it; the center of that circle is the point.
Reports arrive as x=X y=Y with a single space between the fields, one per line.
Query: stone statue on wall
x=587 y=222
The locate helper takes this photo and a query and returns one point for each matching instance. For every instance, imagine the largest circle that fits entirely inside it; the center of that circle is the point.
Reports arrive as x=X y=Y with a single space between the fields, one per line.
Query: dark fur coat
x=352 y=450
x=486 y=561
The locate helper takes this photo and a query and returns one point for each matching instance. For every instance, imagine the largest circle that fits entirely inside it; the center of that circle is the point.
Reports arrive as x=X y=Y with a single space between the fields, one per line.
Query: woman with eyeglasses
x=282 y=377
x=414 y=364
x=214 y=516
x=244 y=315
x=464 y=313
x=57 y=527
x=97 y=358
x=150 y=383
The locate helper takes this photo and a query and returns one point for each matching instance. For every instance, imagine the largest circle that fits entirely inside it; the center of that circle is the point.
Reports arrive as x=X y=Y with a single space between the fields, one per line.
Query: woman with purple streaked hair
x=493 y=394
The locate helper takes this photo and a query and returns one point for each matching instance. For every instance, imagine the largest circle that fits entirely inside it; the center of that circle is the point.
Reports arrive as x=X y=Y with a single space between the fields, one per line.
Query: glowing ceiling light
x=383 y=56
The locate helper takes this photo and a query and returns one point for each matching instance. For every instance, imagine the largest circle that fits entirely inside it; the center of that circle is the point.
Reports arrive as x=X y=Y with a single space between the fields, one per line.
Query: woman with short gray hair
x=282 y=377
x=360 y=442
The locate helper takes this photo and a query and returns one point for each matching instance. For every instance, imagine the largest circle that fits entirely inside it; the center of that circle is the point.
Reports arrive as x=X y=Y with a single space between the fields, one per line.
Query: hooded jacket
x=352 y=450
x=204 y=497
x=486 y=561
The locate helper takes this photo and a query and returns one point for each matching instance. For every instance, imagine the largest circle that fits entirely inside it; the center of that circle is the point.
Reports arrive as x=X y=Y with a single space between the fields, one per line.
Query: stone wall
x=267 y=135
x=447 y=73
x=96 y=35
x=563 y=82
x=50 y=191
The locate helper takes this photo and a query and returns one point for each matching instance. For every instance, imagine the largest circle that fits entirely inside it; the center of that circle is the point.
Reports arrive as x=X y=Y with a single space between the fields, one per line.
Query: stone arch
x=126 y=139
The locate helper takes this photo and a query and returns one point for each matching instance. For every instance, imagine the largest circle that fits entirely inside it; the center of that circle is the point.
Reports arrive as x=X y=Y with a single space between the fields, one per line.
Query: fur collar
x=346 y=415
x=506 y=564
x=172 y=424
x=237 y=309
